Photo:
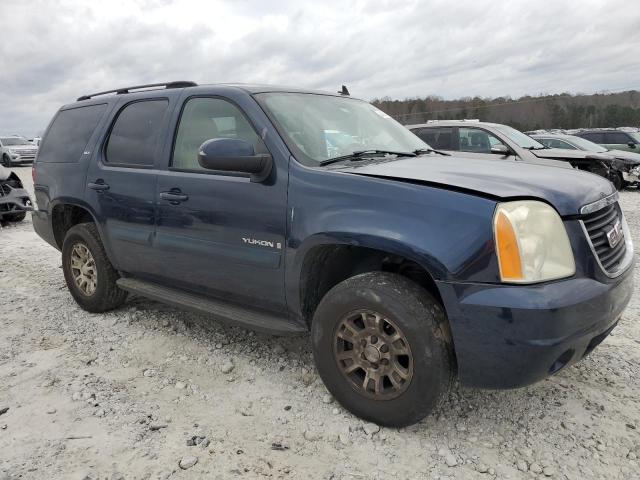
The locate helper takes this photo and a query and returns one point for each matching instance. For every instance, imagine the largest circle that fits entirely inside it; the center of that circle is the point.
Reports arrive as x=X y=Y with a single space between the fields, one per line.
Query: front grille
x=597 y=225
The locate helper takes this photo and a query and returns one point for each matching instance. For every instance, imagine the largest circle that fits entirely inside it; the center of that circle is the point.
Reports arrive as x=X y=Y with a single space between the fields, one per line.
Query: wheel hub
x=374 y=355
x=83 y=269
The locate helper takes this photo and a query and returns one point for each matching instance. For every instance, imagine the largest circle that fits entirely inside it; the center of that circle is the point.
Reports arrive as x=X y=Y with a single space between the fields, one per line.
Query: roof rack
x=120 y=91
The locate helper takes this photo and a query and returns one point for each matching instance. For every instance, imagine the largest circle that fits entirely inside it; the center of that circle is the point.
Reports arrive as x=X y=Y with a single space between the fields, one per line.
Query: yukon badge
x=262 y=243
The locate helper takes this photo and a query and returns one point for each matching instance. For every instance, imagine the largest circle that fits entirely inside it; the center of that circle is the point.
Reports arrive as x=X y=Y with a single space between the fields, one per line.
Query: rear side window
x=439 y=138
x=617 y=138
x=595 y=137
x=134 y=137
x=70 y=133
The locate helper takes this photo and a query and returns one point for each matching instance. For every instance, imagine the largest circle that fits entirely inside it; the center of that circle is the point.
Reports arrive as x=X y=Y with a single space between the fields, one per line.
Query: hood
x=566 y=189
x=566 y=153
x=18 y=148
x=627 y=157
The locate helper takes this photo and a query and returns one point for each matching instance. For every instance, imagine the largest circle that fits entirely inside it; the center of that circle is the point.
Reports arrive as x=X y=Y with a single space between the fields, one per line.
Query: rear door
x=217 y=234
x=121 y=182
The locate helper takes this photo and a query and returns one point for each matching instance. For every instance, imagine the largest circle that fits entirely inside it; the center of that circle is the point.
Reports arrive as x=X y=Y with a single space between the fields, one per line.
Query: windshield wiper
x=430 y=150
x=360 y=154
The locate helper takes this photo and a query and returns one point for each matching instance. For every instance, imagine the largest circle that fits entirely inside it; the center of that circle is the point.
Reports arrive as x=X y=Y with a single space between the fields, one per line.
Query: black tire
x=107 y=295
x=420 y=319
x=16 y=217
x=618 y=181
x=6 y=161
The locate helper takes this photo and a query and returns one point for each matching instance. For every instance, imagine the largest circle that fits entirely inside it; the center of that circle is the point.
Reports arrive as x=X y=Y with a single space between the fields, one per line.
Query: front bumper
x=508 y=336
x=13 y=200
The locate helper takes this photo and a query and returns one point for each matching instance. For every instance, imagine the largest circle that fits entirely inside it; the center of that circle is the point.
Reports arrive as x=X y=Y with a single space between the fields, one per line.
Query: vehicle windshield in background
x=584 y=144
x=14 y=141
x=323 y=127
x=522 y=140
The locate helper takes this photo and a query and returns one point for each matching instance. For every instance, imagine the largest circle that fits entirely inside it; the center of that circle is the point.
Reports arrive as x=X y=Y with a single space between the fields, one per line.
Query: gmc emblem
x=614 y=235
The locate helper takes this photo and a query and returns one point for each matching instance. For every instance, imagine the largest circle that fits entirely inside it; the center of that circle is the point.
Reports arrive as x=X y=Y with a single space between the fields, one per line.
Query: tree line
x=564 y=110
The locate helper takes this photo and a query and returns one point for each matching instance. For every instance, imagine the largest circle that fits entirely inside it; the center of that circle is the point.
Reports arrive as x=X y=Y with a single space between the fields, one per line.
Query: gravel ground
x=148 y=391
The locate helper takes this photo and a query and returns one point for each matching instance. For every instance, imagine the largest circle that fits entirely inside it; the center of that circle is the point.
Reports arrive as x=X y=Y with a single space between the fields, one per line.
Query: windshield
x=522 y=140
x=14 y=141
x=584 y=144
x=322 y=127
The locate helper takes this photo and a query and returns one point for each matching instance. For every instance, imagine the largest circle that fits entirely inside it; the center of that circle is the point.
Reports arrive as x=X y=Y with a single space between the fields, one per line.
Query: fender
x=448 y=233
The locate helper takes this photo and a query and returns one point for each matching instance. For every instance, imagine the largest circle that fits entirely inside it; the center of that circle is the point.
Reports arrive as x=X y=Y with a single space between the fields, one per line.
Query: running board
x=225 y=312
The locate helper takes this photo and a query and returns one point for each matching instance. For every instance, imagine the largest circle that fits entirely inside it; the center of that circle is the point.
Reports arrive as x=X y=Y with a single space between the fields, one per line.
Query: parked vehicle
x=611 y=139
x=407 y=267
x=625 y=169
x=14 y=199
x=474 y=139
x=15 y=150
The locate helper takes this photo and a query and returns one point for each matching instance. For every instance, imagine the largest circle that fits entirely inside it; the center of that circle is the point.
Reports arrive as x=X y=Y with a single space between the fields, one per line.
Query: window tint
x=595 y=137
x=476 y=140
x=438 y=138
x=69 y=134
x=619 y=138
x=134 y=136
x=206 y=118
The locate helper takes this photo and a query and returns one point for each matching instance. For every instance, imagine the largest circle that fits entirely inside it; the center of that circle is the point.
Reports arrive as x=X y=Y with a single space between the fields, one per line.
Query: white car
x=16 y=150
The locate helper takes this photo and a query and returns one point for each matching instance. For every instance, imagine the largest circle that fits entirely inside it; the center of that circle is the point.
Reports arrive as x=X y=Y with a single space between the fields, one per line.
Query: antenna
x=344 y=91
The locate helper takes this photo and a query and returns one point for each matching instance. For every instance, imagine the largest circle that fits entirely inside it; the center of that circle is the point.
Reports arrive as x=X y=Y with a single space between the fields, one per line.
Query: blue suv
x=289 y=211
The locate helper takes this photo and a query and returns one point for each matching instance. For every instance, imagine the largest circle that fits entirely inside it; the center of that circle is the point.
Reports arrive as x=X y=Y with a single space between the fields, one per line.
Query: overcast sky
x=52 y=52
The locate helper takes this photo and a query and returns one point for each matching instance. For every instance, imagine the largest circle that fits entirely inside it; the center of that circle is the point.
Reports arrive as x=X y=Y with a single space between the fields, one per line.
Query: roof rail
x=120 y=91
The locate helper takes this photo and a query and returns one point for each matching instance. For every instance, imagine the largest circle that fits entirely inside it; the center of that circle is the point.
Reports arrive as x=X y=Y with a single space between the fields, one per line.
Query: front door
x=217 y=234
x=121 y=183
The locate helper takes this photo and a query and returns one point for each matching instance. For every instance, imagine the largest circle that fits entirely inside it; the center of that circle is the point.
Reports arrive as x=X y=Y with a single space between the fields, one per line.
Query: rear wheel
x=380 y=346
x=90 y=277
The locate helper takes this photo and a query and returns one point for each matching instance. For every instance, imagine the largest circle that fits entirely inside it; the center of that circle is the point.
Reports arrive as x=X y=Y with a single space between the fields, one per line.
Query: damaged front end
x=629 y=169
x=14 y=199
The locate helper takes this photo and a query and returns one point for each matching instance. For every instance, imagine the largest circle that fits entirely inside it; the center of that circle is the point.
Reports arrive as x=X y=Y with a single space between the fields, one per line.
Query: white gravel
x=140 y=393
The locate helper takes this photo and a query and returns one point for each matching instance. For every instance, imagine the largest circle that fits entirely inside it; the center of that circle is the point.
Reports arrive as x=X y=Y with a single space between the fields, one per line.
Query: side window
x=555 y=143
x=476 y=140
x=69 y=134
x=619 y=138
x=595 y=137
x=206 y=118
x=134 y=137
x=438 y=138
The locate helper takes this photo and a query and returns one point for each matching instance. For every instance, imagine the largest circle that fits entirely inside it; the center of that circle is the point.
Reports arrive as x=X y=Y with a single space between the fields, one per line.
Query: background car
x=15 y=149
x=625 y=167
x=476 y=139
x=612 y=139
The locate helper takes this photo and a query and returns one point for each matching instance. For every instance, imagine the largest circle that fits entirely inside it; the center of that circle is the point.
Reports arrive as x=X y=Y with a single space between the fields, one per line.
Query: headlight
x=531 y=243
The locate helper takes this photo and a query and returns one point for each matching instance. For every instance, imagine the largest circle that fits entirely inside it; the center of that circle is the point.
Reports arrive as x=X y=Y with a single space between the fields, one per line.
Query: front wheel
x=618 y=181
x=90 y=277
x=380 y=346
x=16 y=217
x=6 y=161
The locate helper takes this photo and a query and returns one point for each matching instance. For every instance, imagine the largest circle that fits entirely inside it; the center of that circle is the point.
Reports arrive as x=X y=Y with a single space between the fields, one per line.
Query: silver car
x=625 y=167
x=475 y=139
x=16 y=150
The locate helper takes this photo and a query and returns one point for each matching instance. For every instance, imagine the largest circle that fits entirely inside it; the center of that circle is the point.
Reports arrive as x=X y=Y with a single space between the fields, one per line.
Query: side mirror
x=631 y=145
x=234 y=155
x=500 y=149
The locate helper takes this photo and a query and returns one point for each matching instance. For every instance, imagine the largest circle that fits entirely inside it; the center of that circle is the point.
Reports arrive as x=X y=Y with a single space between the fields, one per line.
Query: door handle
x=98 y=185
x=174 y=196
